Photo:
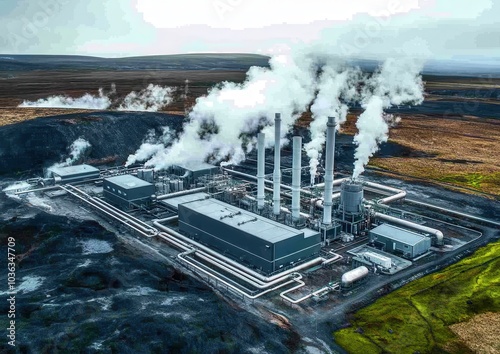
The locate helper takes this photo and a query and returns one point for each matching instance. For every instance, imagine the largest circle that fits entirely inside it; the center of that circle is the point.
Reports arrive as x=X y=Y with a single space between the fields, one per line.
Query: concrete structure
x=329 y=163
x=351 y=207
x=249 y=238
x=378 y=259
x=261 y=170
x=396 y=240
x=125 y=191
x=73 y=174
x=191 y=171
x=277 y=165
x=296 y=180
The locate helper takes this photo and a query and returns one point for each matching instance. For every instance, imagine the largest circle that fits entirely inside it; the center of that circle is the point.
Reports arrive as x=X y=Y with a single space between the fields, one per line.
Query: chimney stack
x=296 y=174
x=330 y=155
x=261 y=157
x=277 y=165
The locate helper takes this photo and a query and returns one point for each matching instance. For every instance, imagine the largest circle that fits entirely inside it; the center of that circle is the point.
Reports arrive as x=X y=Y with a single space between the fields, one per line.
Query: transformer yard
x=251 y=234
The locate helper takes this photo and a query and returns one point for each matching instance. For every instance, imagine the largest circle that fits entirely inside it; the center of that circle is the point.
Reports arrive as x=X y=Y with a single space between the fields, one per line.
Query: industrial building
x=252 y=239
x=73 y=174
x=396 y=240
x=127 y=191
x=191 y=172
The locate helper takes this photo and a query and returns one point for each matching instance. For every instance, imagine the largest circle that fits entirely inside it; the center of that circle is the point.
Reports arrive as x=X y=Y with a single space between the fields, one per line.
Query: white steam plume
x=225 y=122
x=397 y=82
x=336 y=88
x=87 y=101
x=151 y=145
x=77 y=149
x=150 y=99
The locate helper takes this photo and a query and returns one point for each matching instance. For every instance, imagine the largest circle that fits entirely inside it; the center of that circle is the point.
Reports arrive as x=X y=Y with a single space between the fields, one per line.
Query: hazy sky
x=441 y=28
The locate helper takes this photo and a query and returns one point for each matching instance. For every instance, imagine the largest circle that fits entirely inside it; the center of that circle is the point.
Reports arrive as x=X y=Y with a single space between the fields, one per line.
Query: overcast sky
x=440 y=28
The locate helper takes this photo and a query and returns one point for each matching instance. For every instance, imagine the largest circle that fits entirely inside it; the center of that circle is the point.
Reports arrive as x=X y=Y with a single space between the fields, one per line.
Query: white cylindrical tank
x=354 y=275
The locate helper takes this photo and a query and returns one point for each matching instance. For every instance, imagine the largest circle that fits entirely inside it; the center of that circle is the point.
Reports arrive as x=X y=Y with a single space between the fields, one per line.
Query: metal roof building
x=194 y=170
x=397 y=240
x=73 y=174
x=175 y=201
x=250 y=238
x=126 y=190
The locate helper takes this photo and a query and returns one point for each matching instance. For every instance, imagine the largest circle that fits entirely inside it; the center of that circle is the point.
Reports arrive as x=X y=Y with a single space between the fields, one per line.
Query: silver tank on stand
x=351 y=197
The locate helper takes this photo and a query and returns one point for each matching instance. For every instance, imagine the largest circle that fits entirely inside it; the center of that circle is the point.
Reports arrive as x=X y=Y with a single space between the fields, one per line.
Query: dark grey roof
x=73 y=170
x=175 y=201
x=127 y=181
x=398 y=234
x=196 y=166
x=254 y=224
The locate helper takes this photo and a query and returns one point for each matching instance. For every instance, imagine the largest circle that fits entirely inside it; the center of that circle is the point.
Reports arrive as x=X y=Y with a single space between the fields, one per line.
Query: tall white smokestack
x=330 y=151
x=277 y=165
x=296 y=171
x=261 y=157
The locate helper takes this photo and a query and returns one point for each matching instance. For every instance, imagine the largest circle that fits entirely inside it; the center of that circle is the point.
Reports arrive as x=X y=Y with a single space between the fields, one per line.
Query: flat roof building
x=191 y=171
x=397 y=240
x=73 y=174
x=250 y=238
x=125 y=191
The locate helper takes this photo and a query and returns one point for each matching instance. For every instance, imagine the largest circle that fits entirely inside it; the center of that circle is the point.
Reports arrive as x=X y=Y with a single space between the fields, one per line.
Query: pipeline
x=314 y=293
x=400 y=194
x=234 y=263
x=439 y=235
x=178 y=194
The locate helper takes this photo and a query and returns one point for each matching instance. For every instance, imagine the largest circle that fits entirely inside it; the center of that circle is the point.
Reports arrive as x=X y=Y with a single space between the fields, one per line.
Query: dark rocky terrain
x=34 y=144
x=82 y=290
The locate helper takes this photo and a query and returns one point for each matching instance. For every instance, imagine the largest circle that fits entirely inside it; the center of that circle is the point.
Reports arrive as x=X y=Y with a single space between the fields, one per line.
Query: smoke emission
x=87 y=101
x=77 y=149
x=151 y=145
x=150 y=99
x=397 y=82
x=223 y=125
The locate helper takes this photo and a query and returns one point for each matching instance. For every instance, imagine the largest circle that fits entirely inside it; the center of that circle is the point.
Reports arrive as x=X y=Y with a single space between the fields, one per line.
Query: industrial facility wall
x=409 y=250
x=244 y=246
x=79 y=177
x=121 y=196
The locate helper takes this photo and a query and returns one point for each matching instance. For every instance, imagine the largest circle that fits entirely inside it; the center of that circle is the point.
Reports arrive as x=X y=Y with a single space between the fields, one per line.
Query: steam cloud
x=87 y=101
x=77 y=149
x=151 y=146
x=222 y=126
x=150 y=99
x=397 y=82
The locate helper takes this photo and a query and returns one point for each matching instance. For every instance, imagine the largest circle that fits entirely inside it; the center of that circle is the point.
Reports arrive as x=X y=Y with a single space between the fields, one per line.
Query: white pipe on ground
x=261 y=156
x=330 y=151
x=439 y=235
x=277 y=164
x=400 y=194
x=296 y=174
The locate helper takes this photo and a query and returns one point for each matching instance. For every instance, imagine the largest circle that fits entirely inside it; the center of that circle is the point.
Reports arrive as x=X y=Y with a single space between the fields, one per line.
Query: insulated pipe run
x=277 y=164
x=178 y=194
x=330 y=151
x=234 y=263
x=439 y=235
x=296 y=174
x=399 y=193
x=261 y=159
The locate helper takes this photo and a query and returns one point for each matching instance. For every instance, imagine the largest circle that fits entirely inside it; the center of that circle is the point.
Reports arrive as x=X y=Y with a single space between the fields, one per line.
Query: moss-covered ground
x=416 y=317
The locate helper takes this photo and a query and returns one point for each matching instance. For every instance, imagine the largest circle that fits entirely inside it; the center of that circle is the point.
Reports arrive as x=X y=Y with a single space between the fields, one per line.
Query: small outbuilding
x=127 y=191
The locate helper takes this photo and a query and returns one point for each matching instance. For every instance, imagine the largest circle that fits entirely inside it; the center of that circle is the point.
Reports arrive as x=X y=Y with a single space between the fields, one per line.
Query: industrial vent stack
x=330 y=153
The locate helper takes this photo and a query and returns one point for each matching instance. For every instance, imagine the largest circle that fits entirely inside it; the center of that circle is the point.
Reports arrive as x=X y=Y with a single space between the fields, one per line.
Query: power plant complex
x=250 y=233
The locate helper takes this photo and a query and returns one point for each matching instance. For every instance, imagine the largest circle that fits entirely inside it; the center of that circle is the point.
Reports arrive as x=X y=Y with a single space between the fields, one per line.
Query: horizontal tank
x=354 y=275
x=351 y=197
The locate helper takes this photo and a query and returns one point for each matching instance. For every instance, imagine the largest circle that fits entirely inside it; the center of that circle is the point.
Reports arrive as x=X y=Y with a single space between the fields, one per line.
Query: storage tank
x=351 y=197
x=353 y=276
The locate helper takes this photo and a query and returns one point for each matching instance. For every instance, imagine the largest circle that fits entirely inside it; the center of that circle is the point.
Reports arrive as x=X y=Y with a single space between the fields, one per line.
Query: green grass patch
x=472 y=180
x=415 y=318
